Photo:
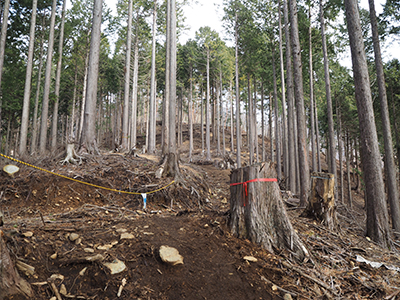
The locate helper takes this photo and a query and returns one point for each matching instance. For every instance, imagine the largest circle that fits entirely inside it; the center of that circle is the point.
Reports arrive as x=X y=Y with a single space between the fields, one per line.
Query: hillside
x=44 y=213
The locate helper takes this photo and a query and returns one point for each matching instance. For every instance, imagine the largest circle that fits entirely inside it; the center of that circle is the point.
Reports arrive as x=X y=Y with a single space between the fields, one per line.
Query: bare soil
x=42 y=210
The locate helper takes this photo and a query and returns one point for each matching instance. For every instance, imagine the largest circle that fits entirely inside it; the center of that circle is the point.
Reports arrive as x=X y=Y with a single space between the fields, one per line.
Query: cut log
x=257 y=211
x=321 y=204
x=11 y=284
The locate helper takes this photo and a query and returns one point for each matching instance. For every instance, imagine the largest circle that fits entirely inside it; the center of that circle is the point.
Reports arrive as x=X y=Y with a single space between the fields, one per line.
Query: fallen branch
x=317 y=281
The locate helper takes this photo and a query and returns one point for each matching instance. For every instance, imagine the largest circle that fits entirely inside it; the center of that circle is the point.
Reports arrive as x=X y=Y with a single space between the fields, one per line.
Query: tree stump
x=321 y=204
x=11 y=284
x=258 y=213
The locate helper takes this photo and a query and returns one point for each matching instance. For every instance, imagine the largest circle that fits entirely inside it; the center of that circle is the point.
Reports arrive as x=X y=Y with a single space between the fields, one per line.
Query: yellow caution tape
x=79 y=181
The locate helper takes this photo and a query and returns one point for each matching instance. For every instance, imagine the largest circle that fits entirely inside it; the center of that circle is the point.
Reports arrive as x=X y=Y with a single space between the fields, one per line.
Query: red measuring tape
x=253 y=180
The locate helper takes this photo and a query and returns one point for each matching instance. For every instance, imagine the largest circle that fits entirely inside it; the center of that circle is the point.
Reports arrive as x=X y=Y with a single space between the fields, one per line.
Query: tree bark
x=135 y=92
x=88 y=138
x=321 y=205
x=290 y=96
x=284 y=116
x=277 y=126
x=172 y=166
x=153 y=112
x=331 y=129
x=34 y=143
x=47 y=82
x=28 y=81
x=301 y=123
x=11 y=284
x=390 y=166
x=377 y=214
x=258 y=212
x=58 y=79
x=2 y=51
x=237 y=114
x=208 y=144
x=125 y=118
x=312 y=123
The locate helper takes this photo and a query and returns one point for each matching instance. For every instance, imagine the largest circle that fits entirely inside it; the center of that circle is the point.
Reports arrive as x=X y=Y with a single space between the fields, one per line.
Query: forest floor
x=43 y=213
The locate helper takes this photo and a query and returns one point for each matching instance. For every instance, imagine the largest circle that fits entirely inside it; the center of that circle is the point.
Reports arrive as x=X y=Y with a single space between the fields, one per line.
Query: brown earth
x=191 y=216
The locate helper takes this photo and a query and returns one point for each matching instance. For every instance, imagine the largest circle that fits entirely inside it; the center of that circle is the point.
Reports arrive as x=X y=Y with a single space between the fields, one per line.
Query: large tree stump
x=258 y=212
x=321 y=204
x=11 y=284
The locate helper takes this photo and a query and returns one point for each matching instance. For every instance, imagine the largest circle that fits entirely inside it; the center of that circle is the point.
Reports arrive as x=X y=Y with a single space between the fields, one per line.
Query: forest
x=99 y=109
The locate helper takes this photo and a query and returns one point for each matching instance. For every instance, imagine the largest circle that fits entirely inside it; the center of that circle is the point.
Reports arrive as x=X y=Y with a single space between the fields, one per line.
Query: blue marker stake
x=144 y=200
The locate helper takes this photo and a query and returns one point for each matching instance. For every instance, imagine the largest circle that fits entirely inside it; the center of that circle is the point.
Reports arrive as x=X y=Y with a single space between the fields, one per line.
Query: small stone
x=121 y=230
x=28 y=234
x=34 y=192
x=274 y=288
x=127 y=236
x=63 y=290
x=105 y=247
x=82 y=272
x=73 y=237
x=53 y=298
x=250 y=258
x=287 y=297
x=224 y=201
x=117 y=266
x=53 y=256
x=78 y=241
x=89 y=250
x=97 y=257
x=170 y=255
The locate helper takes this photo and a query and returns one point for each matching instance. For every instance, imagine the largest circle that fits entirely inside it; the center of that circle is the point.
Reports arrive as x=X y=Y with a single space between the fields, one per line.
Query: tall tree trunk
x=71 y=130
x=317 y=138
x=262 y=122
x=125 y=123
x=153 y=111
x=238 y=130
x=271 y=139
x=250 y=132
x=165 y=115
x=377 y=214
x=208 y=146
x=202 y=121
x=284 y=116
x=255 y=118
x=28 y=80
x=83 y=100
x=219 y=112
x=312 y=125
x=231 y=114
x=340 y=150
x=190 y=113
x=2 y=51
x=172 y=167
x=277 y=126
x=349 y=196
x=47 y=82
x=290 y=96
x=331 y=129
x=58 y=79
x=390 y=166
x=34 y=143
x=135 y=92
x=301 y=123
x=88 y=138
